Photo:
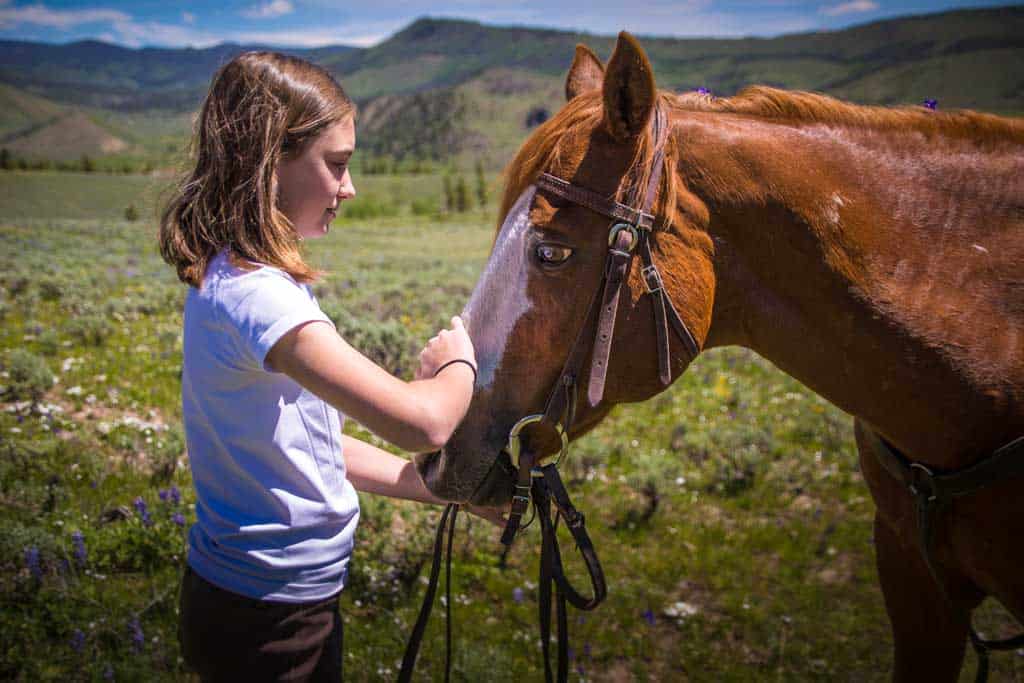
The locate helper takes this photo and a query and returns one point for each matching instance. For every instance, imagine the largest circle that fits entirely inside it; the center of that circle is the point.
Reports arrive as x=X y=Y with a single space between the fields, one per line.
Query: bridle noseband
x=537 y=478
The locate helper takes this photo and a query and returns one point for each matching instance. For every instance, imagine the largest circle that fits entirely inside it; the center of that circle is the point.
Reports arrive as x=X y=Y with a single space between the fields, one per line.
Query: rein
x=537 y=479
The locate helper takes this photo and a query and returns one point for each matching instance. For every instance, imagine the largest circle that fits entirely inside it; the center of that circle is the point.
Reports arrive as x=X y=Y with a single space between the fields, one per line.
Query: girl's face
x=312 y=185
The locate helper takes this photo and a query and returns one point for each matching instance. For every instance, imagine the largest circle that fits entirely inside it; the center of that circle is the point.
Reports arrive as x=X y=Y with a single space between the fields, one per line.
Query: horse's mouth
x=488 y=484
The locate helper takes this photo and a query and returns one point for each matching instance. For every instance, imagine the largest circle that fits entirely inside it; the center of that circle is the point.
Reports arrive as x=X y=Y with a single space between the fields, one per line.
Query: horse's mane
x=544 y=148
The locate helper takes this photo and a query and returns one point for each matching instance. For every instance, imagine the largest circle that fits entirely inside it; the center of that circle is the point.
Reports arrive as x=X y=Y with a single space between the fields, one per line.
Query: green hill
x=443 y=88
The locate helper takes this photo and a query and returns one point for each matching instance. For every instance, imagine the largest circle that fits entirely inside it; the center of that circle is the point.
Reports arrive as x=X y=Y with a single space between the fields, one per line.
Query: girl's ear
x=585 y=74
x=629 y=91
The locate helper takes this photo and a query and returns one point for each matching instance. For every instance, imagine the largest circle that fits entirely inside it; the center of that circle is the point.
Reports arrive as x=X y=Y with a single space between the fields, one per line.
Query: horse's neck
x=885 y=280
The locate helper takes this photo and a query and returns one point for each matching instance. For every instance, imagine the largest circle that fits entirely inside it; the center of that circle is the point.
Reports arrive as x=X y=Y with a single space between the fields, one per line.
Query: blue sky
x=323 y=22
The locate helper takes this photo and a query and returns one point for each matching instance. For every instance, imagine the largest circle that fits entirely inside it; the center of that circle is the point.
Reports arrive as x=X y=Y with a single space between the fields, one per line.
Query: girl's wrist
x=458 y=361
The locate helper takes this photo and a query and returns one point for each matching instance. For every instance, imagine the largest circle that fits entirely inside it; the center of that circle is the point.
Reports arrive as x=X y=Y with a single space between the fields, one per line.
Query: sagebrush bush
x=388 y=343
x=29 y=376
x=91 y=329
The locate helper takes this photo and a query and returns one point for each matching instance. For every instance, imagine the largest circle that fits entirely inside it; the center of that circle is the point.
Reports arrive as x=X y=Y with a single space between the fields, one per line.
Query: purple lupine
x=137 y=636
x=518 y=595
x=175 y=495
x=143 y=510
x=32 y=560
x=648 y=616
x=178 y=519
x=931 y=104
x=77 y=640
x=586 y=650
x=108 y=673
x=78 y=540
x=163 y=494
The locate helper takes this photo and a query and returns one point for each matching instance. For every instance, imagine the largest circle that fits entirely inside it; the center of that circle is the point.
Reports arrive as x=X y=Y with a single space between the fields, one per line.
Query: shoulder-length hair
x=261 y=106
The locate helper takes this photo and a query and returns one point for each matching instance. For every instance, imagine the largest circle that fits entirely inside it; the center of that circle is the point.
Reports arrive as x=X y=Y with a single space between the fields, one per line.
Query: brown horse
x=873 y=254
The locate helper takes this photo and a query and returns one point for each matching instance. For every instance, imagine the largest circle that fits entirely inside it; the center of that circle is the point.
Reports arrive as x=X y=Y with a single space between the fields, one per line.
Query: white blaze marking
x=499 y=299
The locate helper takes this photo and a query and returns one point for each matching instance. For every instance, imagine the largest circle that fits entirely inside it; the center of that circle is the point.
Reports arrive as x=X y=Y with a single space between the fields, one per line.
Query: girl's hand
x=447 y=345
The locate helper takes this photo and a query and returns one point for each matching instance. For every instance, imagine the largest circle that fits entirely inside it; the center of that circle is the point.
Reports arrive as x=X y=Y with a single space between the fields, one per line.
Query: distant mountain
x=444 y=87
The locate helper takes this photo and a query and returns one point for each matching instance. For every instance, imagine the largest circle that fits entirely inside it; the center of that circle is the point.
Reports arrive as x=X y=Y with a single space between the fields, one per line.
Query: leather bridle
x=537 y=478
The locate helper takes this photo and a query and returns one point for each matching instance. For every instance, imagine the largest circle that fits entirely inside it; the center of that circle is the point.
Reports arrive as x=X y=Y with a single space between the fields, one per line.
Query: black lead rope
x=412 y=648
x=547 y=491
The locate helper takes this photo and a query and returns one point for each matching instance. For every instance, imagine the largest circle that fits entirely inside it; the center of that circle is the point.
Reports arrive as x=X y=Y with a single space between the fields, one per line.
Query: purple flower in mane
x=178 y=519
x=136 y=634
x=77 y=640
x=648 y=616
x=78 y=540
x=32 y=560
x=703 y=91
x=143 y=510
x=931 y=104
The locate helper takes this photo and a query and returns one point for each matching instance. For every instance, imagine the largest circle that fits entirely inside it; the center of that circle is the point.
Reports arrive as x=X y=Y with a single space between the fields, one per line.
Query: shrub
x=51 y=289
x=30 y=376
x=49 y=342
x=90 y=329
x=131 y=213
x=388 y=343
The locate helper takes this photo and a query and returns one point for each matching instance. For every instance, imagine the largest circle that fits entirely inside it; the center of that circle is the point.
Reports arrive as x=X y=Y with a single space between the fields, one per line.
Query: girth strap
x=933 y=492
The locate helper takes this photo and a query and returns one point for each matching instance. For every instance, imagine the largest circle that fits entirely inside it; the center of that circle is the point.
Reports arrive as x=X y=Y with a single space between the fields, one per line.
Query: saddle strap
x=933 y=492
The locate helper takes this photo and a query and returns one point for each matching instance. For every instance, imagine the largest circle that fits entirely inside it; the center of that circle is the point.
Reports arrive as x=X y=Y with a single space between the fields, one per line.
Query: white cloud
x=852 y=7
x=269 y=9
x=304 y=38
x=40 y=15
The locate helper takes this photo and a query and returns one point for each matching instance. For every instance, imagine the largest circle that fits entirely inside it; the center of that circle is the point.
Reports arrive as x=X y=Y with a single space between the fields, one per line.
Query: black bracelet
x=458 y=360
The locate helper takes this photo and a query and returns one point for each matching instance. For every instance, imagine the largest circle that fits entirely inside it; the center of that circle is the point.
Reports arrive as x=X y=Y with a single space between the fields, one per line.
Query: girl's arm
x=417 y=416
x=372 y=470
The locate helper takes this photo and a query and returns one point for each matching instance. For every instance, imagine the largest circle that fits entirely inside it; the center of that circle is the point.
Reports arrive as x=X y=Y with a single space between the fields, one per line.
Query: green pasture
x=729 y=512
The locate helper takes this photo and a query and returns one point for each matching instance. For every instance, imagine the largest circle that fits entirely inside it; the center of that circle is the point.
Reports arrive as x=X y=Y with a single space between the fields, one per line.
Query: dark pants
x=229 y=637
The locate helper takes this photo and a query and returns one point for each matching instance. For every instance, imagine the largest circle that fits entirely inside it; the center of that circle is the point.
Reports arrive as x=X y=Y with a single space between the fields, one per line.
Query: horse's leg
x=929 y=636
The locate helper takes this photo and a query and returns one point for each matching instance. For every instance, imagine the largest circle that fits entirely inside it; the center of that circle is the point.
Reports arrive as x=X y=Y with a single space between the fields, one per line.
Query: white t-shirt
x=276 y=515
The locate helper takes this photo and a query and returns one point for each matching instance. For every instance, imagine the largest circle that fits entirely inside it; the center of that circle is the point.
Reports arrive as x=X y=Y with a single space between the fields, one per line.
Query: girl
x=267 y=380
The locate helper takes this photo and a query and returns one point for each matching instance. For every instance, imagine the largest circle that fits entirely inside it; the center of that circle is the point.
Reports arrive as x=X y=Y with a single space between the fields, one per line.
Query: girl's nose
x=346 y=190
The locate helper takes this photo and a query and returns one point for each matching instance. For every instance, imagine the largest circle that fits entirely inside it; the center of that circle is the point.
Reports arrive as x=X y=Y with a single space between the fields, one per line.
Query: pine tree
x=449 y=197
x=462 y=203
x=481 y=184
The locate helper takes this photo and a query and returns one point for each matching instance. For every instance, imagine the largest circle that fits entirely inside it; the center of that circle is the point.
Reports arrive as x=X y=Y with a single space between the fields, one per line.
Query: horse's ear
x=629 y=91
x=585 y=74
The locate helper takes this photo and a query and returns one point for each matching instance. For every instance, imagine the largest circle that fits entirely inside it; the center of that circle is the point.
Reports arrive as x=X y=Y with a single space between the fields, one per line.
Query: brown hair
x=260 y=106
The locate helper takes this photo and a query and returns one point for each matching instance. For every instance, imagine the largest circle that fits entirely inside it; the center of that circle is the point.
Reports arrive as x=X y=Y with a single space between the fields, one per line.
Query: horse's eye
x=553 y=254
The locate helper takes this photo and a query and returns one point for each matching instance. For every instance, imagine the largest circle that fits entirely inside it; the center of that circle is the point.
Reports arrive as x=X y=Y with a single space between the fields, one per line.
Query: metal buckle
x=927 y=475
x=619 y=227
x=652 y=279
x=515 y=442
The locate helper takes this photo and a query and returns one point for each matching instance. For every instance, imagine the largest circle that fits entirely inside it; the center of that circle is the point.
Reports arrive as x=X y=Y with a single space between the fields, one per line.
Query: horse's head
x=546 y=267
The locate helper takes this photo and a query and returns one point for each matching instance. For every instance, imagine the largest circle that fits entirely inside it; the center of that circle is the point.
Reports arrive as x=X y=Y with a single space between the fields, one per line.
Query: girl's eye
x=553 y=254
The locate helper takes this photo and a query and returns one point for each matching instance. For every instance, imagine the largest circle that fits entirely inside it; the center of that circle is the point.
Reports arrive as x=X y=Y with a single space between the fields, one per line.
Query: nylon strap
x=933 y=493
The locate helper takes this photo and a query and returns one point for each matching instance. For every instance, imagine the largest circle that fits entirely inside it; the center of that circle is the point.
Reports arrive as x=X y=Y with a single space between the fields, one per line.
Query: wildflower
x=137 y=636
x=32 y=560
x=108 y=673
x=648 y=616
x=78 y=539
x=178 y=519
x=930 y=104
x=143 y=510
x=175 y=495
x=77 y=640
x=163 y=494
x=518 y=595
x=703 y=91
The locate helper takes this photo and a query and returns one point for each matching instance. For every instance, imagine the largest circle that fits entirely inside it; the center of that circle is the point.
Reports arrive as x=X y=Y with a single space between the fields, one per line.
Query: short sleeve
x=263 y=306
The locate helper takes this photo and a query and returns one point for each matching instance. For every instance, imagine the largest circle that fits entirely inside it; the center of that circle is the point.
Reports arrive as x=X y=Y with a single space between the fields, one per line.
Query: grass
x=729 y=512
